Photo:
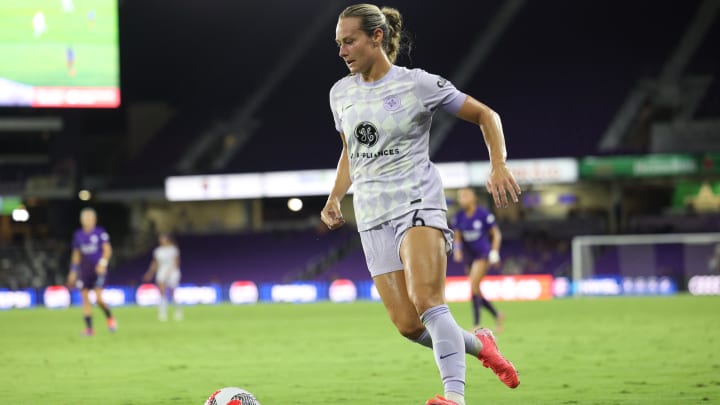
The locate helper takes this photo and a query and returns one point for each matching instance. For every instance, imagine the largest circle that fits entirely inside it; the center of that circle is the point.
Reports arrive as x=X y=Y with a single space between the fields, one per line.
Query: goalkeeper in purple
x=90 y=255
x=477 y=243
x=383 y=113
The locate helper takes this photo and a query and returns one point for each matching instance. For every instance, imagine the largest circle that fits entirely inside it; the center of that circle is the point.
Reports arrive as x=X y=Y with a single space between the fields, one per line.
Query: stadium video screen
x=59 y=53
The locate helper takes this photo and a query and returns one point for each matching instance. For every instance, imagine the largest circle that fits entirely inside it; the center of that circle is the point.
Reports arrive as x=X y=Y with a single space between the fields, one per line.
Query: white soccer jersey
x=387 y=126
x=166 y=257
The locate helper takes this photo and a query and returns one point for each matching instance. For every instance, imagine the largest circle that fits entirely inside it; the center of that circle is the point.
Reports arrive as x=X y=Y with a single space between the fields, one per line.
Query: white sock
x=448 y=347
x=162 y=308
x=472 y=343
x=455 y=397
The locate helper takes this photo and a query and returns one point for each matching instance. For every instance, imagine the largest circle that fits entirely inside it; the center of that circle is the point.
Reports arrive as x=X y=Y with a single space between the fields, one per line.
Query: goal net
x=642 y=264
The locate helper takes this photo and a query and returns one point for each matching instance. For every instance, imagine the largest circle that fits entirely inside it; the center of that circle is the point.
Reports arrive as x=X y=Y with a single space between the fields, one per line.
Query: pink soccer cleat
x=112 y=325
x=439 y=400
x=492 y=359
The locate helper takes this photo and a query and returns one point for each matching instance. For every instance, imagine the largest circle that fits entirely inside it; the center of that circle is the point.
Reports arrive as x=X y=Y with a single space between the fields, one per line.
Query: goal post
x=645 y=258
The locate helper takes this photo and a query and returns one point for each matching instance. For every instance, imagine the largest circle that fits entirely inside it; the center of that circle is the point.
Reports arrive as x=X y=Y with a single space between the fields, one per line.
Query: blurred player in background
x=165 y=266
x=477 y=242
x=70 y=61
x=89 y=261
x=383 y=114
x=39 y=24
x=91 y=18
x=68 y=6
x=714 y=262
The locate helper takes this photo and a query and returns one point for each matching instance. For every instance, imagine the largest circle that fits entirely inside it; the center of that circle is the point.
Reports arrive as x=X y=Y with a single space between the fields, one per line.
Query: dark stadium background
x=559 y=73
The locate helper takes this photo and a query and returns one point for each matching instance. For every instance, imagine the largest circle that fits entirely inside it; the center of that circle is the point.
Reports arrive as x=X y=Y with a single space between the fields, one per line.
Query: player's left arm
x=500 y=181
x=105 y=259
x=496 y=241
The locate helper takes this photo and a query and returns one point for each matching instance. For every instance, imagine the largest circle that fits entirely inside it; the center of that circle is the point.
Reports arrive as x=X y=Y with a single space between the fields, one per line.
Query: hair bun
x=393 y=18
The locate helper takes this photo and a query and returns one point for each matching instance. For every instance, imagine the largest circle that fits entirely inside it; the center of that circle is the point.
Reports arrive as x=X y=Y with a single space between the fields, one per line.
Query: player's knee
x=411 y=330
x=426 y=299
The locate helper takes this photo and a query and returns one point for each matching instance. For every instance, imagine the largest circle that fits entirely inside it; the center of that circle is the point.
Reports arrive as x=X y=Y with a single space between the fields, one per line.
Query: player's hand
x=500 y=182
x=457 y=256
x=71 y=280
x=101 y=269
x=331 y=214
x=494 y=258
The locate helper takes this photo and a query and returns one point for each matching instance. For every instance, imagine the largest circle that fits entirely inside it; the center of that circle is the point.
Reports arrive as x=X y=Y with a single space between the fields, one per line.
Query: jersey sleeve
x=435 y=91
x=489 y=219
x=76 y=241
x=333 y=108
x=104 y=236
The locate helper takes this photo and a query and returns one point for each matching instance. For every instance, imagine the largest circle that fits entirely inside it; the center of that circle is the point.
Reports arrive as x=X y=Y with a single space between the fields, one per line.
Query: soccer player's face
x=88 y=220
x=356 y=48
x=466 y=198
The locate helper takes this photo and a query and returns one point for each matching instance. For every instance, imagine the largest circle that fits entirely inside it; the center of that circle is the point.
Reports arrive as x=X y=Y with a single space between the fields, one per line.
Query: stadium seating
x=260 y=257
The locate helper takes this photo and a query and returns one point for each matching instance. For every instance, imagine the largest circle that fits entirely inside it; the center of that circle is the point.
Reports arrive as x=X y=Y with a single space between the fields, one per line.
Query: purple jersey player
x=90 y=255
x=477 y=243
x=383 y=113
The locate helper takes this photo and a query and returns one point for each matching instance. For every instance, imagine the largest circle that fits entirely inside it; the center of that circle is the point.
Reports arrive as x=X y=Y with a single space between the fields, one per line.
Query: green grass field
x=41 y=61
x=574 y=351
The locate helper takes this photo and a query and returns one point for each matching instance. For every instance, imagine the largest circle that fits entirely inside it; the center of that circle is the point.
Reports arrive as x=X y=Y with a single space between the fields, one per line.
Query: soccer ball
x=232 y=396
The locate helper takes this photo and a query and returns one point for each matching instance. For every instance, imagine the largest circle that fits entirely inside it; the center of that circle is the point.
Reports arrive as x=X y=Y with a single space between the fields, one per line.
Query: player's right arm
x=458 y=241
x=74 y=267
x=151 y=271
x=331 y=214
x=457 y=246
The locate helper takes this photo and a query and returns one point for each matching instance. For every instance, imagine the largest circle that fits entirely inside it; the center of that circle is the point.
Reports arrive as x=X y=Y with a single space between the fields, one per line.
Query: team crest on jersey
x=391 y=103
x=441 y=82
x=477 y=224
x=366 y=134
x=93 y=238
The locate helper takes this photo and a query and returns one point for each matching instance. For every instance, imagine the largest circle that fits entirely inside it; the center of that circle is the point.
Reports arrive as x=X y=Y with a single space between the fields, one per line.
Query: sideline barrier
x=528 y=287
x=704 y=285
x=615 y=286
x=243 y=292
x=25 y=298
x=457 y=289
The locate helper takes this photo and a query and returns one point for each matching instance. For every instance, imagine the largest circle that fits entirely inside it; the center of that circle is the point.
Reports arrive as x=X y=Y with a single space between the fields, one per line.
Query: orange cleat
x=439 y=400
x=112 y=326
x=492 y=359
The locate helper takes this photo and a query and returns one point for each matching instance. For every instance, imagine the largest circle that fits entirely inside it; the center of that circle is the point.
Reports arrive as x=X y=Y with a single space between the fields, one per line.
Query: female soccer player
x=383 y=114
x=166 y=264
x=477 y=240
x=90 y=256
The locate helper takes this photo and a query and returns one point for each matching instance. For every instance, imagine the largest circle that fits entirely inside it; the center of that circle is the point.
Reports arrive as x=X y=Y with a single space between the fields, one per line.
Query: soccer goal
x=641 y=264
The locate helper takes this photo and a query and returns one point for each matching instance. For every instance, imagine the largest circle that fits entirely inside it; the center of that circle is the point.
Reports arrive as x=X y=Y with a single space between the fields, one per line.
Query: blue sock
x=448 y=347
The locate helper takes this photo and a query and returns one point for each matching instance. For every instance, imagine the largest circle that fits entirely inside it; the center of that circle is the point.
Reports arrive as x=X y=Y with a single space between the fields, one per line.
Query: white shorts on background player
x=167 y=259
x=171 y=278
x=381 y=243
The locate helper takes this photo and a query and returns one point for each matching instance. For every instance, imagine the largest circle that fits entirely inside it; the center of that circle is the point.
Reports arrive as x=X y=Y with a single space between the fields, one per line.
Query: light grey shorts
x=381 y=243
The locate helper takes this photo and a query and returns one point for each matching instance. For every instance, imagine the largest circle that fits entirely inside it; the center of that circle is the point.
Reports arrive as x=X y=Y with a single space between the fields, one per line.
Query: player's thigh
x=423 y=252
x=85 y=296
x=478 y=270
x=393 y=292
x=162 y=286
x=99 y=294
